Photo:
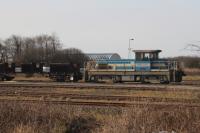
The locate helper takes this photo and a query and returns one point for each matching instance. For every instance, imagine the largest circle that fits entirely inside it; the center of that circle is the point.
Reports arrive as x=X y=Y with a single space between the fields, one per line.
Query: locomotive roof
x=147 y=51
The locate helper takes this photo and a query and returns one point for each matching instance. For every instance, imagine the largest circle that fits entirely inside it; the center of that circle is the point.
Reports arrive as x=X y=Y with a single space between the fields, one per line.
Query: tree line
x=189 y=61
x=38 y=49
x=48 y=49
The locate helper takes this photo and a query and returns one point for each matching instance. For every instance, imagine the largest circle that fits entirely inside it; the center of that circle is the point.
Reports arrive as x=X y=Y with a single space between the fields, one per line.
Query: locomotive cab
x=143 y=59
x=146 y=55
x=164 y=70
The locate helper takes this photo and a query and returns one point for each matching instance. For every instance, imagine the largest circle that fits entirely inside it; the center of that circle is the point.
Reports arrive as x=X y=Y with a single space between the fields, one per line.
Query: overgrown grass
x=192 y=77
x=193 y=72
x=43 y=118
x=176 y=94
x=31 y=77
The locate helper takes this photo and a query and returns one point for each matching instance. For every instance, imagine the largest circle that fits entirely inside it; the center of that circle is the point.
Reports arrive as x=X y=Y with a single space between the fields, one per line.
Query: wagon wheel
x=2 y=78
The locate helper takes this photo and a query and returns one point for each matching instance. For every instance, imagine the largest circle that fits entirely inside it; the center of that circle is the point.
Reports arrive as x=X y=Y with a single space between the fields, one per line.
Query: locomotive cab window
x=146 y=55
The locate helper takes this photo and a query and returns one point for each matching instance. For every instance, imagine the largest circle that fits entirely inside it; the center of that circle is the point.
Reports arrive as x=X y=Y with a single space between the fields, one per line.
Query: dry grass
x=46 y=118
x=42 y=118
x=31 y=77
x=192 y=77
x=43 y=94
x=177 y=94
x=24 y=129
x=193 y=71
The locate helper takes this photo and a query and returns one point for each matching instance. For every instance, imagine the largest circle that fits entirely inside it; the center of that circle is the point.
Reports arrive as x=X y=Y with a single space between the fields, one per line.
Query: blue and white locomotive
x=146 y=66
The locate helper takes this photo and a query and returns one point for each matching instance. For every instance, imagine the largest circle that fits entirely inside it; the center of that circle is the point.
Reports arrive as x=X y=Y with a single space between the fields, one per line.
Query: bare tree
x=14 y=45
x=3 y=53
x=32 y=49
x=193 y=47
x=71 y=55
x=47 y=46
x=39 y=49
x=30 y=52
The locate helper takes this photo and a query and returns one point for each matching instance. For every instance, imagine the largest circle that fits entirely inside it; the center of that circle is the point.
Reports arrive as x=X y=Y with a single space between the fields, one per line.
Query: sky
x=105 y=26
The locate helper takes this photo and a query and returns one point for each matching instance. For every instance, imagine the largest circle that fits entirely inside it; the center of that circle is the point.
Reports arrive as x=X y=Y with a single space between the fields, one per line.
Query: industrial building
x=103 y=56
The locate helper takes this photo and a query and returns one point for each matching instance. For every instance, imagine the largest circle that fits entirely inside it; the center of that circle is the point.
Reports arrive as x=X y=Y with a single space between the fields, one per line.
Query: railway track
x=41 y=93
x=94 y=100
x=105 y=104
x=99 y=86
x=184 y=82
x=72 y=96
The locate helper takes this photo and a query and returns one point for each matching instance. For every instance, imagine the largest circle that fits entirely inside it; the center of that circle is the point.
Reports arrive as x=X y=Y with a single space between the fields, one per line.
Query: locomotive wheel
x=164 y=80
x=142 y=79
x=93 y=79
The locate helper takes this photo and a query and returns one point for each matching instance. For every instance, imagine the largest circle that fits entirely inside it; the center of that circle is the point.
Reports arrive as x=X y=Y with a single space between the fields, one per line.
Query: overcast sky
x=106 y=25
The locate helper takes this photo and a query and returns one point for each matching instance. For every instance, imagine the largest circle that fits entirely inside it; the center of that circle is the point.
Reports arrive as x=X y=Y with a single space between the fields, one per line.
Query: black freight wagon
x=64 y=72
x=4 y=72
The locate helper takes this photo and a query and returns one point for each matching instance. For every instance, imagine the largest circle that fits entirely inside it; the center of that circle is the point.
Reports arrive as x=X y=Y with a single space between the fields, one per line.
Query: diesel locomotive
x=146 y=66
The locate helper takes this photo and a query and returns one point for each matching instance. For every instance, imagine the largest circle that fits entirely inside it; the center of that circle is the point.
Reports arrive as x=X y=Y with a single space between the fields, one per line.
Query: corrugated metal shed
x=103 y=56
